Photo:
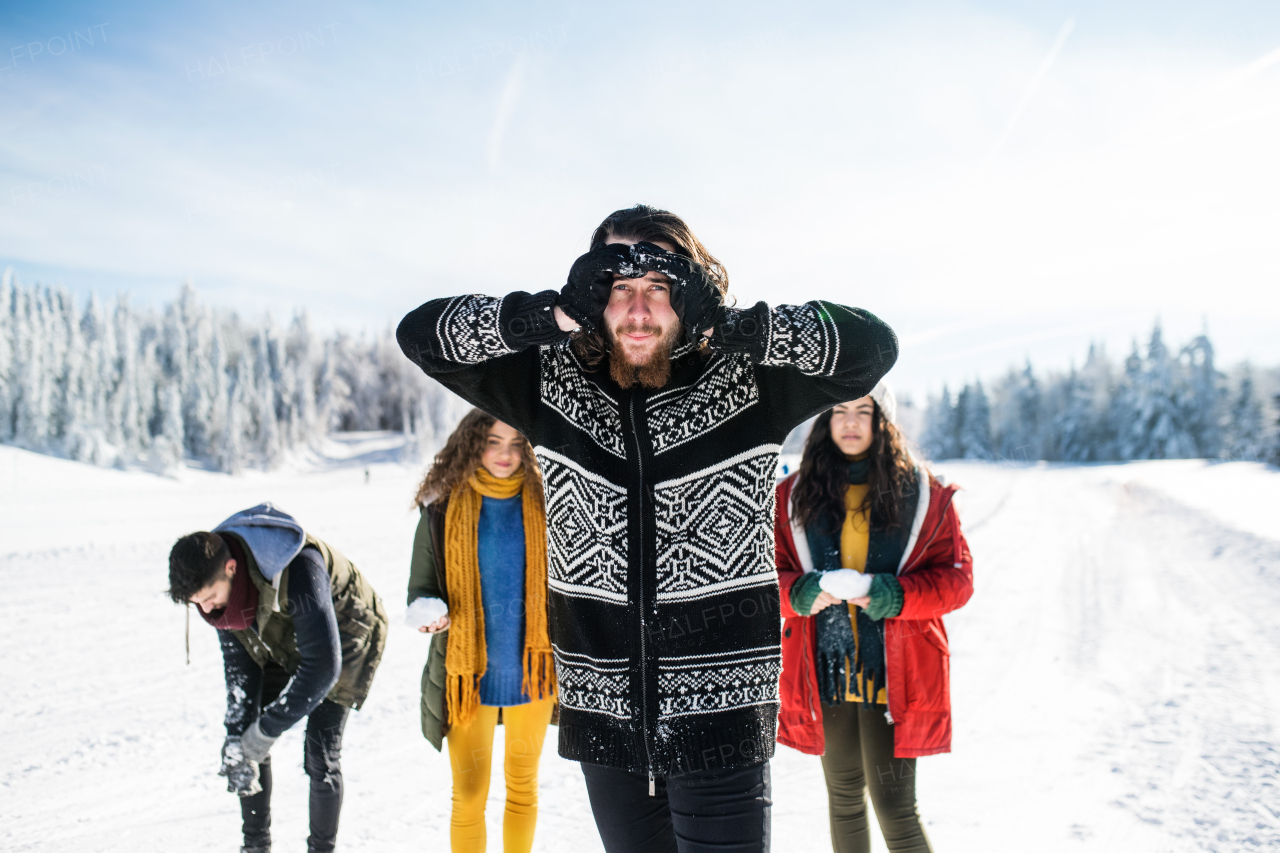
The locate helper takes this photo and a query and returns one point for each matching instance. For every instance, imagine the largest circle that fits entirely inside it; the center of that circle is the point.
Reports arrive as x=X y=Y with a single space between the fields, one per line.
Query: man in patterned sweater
x=657 y=415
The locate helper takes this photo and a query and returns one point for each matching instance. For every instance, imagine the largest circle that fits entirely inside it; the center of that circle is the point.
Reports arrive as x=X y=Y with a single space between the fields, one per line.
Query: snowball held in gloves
x=845 y=583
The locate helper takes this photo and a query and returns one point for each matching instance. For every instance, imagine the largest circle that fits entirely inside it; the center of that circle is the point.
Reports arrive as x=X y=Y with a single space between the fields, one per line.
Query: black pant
x=322 y=760
x=726 y=811
x=859 y=758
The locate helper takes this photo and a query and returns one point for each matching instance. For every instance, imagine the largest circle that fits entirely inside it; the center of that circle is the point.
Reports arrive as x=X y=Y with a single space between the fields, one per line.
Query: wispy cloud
x=1029 y=93
x=511 y=87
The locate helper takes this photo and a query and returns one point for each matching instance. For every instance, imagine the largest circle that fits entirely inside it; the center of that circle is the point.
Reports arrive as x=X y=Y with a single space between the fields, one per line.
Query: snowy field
x=1116 y=676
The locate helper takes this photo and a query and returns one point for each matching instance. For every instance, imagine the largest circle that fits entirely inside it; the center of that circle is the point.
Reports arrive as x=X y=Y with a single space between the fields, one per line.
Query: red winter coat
x=936 y=578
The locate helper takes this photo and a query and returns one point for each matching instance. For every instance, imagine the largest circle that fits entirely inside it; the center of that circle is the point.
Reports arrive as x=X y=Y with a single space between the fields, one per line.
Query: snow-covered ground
x=1116 y=677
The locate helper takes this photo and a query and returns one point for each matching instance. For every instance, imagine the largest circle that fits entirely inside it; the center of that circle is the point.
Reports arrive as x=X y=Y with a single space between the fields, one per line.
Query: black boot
x=255 y=813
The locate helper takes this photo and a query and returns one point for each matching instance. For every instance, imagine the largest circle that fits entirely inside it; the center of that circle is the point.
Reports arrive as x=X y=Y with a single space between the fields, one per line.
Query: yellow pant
x=471 y=756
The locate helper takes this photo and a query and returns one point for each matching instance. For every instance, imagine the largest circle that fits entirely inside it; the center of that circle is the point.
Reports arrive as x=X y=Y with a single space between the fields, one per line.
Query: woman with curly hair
x=870 y=556
x=477 y=584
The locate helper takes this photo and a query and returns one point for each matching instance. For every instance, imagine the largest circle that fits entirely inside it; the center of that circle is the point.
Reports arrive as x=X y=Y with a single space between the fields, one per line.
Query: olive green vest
x=362 y=623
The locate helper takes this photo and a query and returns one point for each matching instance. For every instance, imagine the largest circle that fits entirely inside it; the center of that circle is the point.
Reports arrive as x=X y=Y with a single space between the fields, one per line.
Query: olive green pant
x=859 y=758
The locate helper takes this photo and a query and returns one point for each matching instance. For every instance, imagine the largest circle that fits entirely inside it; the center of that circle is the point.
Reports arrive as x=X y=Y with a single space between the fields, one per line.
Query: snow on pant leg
x=891 y=783
x=846 y=781
x=323 y=761
x=722 y=811
x=628 y=819
x=471 y=758
x=526 y=729
x=255 y=811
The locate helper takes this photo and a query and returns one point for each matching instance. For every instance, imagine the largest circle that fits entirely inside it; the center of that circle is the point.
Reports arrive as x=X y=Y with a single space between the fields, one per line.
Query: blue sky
x=996 y=180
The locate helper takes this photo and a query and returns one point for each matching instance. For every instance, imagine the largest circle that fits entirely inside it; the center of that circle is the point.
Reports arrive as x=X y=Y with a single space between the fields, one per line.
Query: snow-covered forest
x=1162 y=404
x=119 y=385
x=113 y=384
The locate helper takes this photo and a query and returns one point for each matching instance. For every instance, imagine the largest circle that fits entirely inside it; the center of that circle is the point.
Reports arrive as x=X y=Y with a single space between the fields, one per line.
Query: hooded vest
x=362 y=622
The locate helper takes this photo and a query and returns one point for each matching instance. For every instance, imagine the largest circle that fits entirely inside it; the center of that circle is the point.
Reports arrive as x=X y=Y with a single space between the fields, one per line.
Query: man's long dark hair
x=817 y=500
x=643 y=223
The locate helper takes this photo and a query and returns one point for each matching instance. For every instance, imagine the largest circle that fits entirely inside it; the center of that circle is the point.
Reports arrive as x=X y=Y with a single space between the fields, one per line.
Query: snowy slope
x=1116 y=677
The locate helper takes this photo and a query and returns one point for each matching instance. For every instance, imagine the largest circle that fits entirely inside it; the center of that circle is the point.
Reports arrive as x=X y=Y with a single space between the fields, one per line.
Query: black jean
x=859 y=759
x=322 y=760
x=726 y=811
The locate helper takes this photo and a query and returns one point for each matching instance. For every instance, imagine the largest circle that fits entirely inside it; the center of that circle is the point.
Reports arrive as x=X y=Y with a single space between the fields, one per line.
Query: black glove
x=694 y=296
x=586 y=294
x=241 y=773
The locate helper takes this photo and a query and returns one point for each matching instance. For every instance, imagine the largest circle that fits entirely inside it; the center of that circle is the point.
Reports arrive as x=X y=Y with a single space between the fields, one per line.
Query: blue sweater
x=500 y=549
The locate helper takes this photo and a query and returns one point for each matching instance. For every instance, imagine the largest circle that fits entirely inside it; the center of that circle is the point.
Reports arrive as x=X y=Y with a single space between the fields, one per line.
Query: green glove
x=886 y=597
x=804 y=592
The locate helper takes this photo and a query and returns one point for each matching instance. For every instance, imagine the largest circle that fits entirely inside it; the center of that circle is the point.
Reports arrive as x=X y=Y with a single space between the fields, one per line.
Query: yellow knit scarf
x=465 y=661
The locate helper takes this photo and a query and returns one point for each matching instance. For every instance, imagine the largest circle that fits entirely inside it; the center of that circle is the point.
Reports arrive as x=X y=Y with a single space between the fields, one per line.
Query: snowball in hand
x=845 y=583
x=424 y=612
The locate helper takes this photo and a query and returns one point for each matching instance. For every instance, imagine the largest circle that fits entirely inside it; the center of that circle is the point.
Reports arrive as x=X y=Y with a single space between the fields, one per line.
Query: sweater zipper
x=644 y=680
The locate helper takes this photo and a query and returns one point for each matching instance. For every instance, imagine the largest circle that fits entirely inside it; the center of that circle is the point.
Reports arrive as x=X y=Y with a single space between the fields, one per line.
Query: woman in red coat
x=870 y=556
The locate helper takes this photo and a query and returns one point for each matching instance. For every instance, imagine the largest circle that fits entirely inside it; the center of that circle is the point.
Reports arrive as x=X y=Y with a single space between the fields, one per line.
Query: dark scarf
x=835 y=640
x=242 y=606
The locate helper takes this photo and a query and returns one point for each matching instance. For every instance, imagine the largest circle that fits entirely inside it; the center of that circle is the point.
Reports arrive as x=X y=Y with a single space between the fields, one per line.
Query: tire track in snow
x=1201 y=742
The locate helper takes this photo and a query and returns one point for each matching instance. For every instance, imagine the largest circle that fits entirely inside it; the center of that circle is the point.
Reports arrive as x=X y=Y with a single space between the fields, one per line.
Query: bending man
x=302 y=633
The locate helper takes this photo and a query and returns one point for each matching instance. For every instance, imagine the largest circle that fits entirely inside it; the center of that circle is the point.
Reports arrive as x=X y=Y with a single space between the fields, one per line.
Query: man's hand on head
x=586 y=293
x=694 y=296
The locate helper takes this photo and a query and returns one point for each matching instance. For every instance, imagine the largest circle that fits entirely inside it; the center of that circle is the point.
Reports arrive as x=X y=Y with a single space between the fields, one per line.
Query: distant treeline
x=118 y=385
x=1161 y=404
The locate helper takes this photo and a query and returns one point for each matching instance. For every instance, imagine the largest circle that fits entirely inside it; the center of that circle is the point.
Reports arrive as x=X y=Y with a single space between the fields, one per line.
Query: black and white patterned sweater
x=663 y=593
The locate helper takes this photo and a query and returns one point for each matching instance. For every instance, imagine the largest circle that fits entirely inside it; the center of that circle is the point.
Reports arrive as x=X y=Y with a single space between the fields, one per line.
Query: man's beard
x=654 y=371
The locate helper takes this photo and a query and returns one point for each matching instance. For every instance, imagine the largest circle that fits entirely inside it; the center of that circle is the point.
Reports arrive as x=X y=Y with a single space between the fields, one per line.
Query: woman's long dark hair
x=817 y=500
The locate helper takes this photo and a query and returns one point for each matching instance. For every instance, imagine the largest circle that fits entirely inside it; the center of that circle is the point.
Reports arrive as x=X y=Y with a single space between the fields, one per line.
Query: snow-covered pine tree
x=7 y=386
x=33 y=374
x=199 y=373
x=1274 y=454
x=127 y=424
x=90 y=442
x=1158 y=429
x=974 y=428
x=1203 y=397
x=939 y=438
x=75 y=397
x=1246 y=426
x=215 y=393
x=265 y=416
x=305 y=354
x=169 y=440
x=330 y=390
x=232 y=452
x=1017 y=411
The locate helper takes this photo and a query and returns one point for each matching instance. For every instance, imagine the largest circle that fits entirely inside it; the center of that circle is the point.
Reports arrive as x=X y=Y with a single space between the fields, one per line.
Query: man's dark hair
x=644 y=223
x=195 y=562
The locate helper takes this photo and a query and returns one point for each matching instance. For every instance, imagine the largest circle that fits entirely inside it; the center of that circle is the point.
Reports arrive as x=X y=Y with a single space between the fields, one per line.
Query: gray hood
x=271 y=534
